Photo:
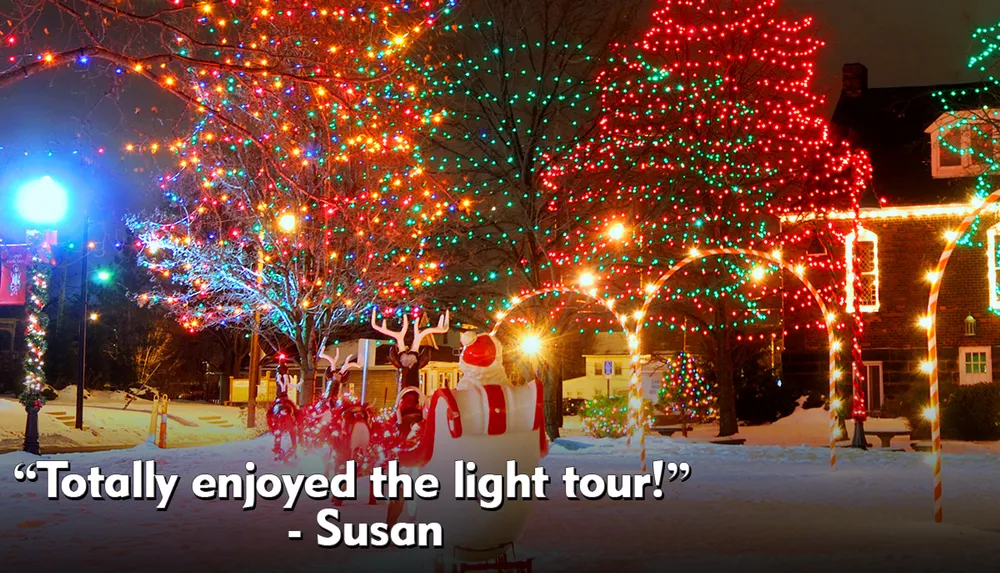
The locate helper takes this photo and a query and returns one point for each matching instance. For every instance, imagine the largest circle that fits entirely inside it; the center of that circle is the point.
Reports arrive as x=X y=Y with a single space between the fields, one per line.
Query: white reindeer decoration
x=408 y=362
x=335 y=379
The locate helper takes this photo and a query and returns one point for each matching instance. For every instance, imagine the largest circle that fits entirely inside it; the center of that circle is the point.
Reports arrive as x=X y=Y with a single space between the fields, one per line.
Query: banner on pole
x=14 y=262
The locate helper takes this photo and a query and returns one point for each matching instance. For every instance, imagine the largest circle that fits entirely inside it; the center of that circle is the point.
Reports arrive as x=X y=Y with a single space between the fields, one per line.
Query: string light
x=37 y=321
x=300 y=193
x=685 y=390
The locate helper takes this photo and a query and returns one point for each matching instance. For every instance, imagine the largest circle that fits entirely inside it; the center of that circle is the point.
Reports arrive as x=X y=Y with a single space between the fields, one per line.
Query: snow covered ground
x=807 y=428
x=751 y=508
x=106 y=423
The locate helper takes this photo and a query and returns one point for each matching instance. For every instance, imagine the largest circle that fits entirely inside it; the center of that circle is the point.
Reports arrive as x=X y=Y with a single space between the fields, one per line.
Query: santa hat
x=479 y=350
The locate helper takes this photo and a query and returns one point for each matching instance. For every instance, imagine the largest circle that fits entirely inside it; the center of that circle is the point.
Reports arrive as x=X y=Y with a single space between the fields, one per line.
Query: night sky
x=903 y=42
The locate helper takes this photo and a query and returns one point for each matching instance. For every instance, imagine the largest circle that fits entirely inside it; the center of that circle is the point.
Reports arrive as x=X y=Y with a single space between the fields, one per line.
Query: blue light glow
x=42 y=202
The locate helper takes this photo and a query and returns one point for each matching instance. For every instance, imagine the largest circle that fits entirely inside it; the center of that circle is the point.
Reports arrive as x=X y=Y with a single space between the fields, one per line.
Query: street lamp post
x=42 y=202
x=84 y=317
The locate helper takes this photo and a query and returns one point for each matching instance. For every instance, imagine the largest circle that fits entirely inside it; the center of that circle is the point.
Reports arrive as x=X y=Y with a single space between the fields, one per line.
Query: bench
x=730 y=441
x=887 y=435
x=668 y=430
x=922 y=446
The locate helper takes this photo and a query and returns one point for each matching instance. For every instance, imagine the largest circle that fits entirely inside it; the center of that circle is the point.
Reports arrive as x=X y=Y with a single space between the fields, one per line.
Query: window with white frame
x=991 y=262
x=975 y=365
x=962 y=143
x=862 y=271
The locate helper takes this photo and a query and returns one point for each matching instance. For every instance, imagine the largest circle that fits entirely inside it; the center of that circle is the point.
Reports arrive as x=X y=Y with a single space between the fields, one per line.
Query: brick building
x=920 y=192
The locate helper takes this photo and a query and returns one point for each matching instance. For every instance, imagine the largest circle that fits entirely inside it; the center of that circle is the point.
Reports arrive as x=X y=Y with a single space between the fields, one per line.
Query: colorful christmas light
x=685 y=391
x=300 y=193
x=690 y=155
x=37 y=321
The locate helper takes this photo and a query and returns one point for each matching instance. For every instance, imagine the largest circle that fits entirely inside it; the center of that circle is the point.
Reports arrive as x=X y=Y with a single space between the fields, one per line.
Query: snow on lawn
x=108 y=423
x=806 y=428
x=745 y=508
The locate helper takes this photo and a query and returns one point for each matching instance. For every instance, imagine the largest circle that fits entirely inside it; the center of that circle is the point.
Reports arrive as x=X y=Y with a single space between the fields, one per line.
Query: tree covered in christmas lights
x=685 y=391
x=607 y=416
x=301 y=202
x=967 y=135
x=515 y=78
x=709 y=133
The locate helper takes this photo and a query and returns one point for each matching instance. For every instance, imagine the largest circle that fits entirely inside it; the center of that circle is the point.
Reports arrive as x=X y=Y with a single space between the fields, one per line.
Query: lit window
x=975 y=365
x=991 y=261
x=864 y=278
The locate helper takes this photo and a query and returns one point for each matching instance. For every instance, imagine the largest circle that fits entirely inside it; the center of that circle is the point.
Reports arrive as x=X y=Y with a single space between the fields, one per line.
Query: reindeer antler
x=441 y=328
x=400 y=336
x=348 y=365
x=332 y=361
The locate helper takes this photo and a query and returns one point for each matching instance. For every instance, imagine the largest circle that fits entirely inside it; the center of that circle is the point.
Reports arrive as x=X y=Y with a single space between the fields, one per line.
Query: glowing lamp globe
x=531 y=345
x=42 y=202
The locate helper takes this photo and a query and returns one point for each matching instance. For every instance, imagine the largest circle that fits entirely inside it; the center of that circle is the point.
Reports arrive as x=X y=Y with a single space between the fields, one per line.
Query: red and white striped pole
x=931 y=366
x=834 y=375
x=636 y=420
x=163 y=422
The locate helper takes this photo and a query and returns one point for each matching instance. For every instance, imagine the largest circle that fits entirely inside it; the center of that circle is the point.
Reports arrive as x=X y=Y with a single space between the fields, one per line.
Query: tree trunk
x=551 y=389
x=232 y=363
x=725 y=383
x=307 y=375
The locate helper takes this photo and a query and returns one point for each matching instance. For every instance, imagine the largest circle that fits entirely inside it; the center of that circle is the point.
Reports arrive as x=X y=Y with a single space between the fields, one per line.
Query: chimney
x=855 y=80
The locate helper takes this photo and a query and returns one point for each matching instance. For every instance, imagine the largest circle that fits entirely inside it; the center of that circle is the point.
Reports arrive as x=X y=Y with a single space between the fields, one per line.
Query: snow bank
x=744 y=508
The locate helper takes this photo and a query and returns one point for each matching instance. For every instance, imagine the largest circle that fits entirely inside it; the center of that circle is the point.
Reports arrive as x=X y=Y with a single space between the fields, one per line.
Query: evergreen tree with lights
x=685 y=391
x=301 y=201
x=710 y=131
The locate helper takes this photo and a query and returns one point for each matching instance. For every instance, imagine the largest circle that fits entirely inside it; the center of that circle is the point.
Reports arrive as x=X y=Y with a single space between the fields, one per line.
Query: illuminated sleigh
x=487 y=425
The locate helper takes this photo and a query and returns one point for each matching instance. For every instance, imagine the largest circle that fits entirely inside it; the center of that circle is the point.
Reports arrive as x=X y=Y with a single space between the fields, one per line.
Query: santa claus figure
x=481 y=362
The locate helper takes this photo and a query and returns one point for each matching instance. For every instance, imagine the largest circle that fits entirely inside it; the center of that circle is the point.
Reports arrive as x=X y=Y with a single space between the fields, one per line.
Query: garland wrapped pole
x=858 y=410
x=931 y=365
x=37 y=323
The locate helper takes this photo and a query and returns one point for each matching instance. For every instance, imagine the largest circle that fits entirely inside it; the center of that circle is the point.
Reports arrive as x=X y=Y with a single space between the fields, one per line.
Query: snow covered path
x=744 y=508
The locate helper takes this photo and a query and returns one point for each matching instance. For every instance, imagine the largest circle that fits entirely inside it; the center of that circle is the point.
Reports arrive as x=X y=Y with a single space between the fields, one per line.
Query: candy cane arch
x=931 y=366
x=775 y=258
x=635 y=405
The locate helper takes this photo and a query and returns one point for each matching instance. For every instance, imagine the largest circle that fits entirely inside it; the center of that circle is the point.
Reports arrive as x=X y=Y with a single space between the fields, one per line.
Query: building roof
x=889 y=124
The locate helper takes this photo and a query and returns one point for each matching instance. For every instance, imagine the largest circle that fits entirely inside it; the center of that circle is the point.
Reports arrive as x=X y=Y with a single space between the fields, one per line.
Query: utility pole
x=84 y=317
x=364 y=369
x=255 y=353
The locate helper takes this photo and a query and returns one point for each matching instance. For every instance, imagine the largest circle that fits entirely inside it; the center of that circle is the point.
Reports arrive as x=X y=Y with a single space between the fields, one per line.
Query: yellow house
x=379 y=378
x=267 y=389
x=596 y=382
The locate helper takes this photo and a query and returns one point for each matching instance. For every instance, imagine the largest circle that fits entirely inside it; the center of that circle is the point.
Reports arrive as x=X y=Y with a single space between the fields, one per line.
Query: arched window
x=865 y=276
x=991 y=261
